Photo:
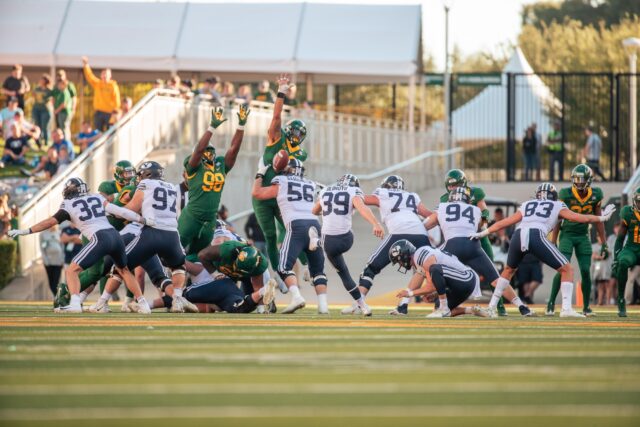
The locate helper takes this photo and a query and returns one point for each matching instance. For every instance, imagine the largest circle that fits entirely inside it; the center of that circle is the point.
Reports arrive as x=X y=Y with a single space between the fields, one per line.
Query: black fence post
x=612 y=130
x=617 y=127
x=563 y=132
x=511 y=128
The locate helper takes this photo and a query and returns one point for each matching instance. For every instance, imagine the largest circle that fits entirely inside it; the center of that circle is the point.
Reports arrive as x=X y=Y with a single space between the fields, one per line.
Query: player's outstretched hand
x=284 y=83
x=217 y=117
x=607 y=212
x=262 y=168
x=378 y=231
x=479 y=235
x=15 y=233
x=243 y=114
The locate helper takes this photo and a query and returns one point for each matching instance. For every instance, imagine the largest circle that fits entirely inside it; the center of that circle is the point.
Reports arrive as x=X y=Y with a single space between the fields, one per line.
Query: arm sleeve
x=62 y=216
x=88 y=74
x=125 y=213
x=72 y=90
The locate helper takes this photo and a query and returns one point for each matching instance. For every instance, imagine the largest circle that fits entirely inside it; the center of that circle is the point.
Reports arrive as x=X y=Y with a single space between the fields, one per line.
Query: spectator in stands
x=554 y=147
x=503 y=236
x=228 y=92
x=87 y=136
x=6 y=215
x=210 y=89
x=126 y=104
x=529 y=150
x=7 y=114
x=116 y=115
x=29 y=129
x=15 y=147
x=264 y=93
x=16 y=85
x=62 y=105
x=63 y=159
x=41 y=111
x=244 y=94
x=106 y=96
x=158 y=84
x=59 y=141
x=592 y=150
x=254 y=234
x=52 y=255
x=538 y=137
x=223 y=214
x=47 y=167
x=73 y=92
x=290 y=98
x=71 y=238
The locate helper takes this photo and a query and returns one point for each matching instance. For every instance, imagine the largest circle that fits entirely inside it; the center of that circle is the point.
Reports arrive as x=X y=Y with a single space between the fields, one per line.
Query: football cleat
x=440 y=313
x=526 y=311
x=493 y=314
x=365 y=310
x=571 y=313
x=352 y=309
x=271 y=308
x=476 y=310
x=314 y=239
x=551 y=309
x=502 y=311
x=99 y=307
x=401 y=310
x=176 y=305
x=323 y=312
x=126 y=306
x=188 y=306
x=68 y=309
x=269 y=292
x=296 y=304
x=622 y=309
x=143 y=308
x=588 y=312
x=260 y=309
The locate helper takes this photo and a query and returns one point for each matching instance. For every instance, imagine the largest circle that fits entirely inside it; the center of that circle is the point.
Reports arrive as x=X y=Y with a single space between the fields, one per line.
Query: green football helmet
x=295 y=131
x=581 y=177
x=455 y=178
x=636 y=199
x=209 y=156
x=124 y=172
x=247 y=260
x=63 y=297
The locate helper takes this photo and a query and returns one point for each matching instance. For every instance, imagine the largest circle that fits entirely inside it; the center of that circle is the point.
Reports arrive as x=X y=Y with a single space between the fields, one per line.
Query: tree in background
x=588 y=12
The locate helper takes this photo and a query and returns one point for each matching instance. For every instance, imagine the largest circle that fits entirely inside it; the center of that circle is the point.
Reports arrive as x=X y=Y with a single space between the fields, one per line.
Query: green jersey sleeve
x=565 y=195
x=626 y=214
x=599 y=196
x=107 y=187
x=444 y=198
x=128 y=190
x=478 y=194
x=191 y=170
x=300 y=155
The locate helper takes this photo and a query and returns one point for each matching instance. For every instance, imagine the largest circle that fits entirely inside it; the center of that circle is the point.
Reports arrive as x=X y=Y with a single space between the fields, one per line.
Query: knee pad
x=319 y=279
x=435 y=269
x=285 y=273
x=365 y=281
x=179 y=270
x=162 y=282
x=245 y=306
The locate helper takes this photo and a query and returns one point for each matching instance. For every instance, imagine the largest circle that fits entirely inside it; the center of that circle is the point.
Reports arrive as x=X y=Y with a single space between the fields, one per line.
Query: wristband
x=240 y=127
x=211 y=129
x=30 y=232
x=410 y=293
x=281 y=95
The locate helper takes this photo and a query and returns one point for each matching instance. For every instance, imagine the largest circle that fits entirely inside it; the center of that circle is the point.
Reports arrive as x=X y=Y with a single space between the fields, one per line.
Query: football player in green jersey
x=205 y=175
x=582 y=198
x=627 y=256
x=290 y=139
x=457 y=178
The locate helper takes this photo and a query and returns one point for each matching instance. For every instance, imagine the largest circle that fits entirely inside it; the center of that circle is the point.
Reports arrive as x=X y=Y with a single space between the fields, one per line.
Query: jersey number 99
x=212 y=181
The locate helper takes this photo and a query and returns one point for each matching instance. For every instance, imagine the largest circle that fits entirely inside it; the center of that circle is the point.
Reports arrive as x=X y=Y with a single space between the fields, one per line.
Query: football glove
x=284 y=83
x=607 y=212
x=262 y=168
x=217 y=117
x=150 y=222
x=604 y=251
x=479 y=235
x=15 y=233
x=243 y=114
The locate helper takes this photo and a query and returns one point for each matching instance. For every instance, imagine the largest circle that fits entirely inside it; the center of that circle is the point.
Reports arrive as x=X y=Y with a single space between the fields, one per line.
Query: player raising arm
x=537 y=218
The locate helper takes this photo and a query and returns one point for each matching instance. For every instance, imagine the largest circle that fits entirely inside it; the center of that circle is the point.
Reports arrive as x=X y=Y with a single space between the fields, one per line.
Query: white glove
x=284 y=83
x=607 y=212
x=262 y=168
x=150 y=222
x=14 y=233
x=479 y=235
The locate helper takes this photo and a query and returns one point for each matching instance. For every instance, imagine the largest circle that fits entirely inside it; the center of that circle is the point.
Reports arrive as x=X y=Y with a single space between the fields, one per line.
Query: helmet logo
x=242 y=256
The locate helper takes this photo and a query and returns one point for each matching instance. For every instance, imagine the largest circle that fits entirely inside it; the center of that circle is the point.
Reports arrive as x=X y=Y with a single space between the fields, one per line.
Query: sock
x=83 y=296
x=105 y=297
x=360 y=301
x=295 y=291
x=75 y=300
x=566 y=288
x=517 y=301
x=468 y=310
x=444 y=304
x=322 y=302
x=497 y=292
x=405 y=300
x=177 y=292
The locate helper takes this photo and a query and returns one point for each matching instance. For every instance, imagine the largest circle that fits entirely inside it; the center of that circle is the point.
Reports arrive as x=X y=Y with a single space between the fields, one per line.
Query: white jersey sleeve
x=337 y=209
x=160 y=203
x=296 y=197
x=87 y=214
x=442 y=258
x=398 y=211
x=458 y=219
x=540 y=214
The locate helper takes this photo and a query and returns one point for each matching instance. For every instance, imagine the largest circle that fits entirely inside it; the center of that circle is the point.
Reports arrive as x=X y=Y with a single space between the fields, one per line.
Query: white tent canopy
x=322 y=39
x=485 y=116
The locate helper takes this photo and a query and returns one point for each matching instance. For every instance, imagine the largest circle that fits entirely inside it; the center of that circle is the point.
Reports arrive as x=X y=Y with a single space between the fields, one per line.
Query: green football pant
x=195 y=235
x=582 y=246
x=92 y=274
x=486 y=247
x=627 y=258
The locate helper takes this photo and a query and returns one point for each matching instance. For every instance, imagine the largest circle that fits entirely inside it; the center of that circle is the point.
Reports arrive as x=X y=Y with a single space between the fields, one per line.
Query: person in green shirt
x=41 y=111
x=627 y=255
x=289 y=138
x=205 y=175
x=574 y=236
x=62 y=105
x=457 y=178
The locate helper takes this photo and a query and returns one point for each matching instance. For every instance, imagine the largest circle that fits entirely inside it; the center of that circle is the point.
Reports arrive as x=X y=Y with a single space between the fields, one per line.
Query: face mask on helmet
x=295 y=132
x=209 y=155
x=580 y=182
x=401 y=253
x=128 y=174
x=460 y=194
x=636 y=202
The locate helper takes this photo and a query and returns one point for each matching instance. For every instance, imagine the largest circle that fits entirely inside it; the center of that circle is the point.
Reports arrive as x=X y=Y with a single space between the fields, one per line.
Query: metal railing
x=164 y=122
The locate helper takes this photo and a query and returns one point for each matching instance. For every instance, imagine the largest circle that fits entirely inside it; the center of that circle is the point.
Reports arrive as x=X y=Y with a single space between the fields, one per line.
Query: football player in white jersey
x=86 y=212
x=295 y=197
x=158 y=200
x=399 y=210
x=537 y=218
x=459 y=219
x=446 y=277
x=336 y=204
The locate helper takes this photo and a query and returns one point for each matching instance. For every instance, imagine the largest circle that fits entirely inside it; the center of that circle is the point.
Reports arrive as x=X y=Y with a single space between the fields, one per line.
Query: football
x=280 y=160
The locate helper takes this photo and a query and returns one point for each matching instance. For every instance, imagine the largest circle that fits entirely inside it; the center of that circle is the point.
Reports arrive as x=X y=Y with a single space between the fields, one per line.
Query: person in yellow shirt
x=106 y=97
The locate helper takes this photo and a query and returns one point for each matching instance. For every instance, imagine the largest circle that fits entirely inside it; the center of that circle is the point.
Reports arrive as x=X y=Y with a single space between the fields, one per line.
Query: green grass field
x=306 y=370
